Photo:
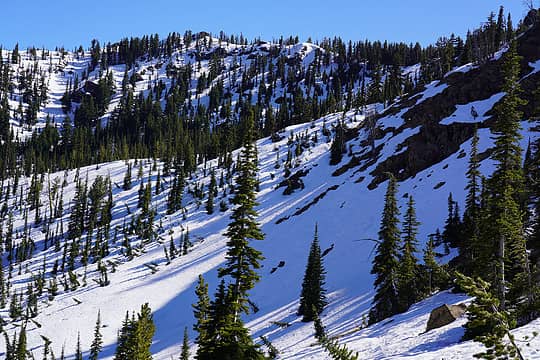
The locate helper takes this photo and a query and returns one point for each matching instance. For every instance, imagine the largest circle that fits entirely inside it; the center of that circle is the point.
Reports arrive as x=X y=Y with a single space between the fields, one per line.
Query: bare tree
x=529 y=4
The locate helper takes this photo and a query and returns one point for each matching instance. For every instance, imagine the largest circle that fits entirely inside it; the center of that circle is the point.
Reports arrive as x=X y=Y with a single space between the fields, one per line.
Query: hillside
x=423 y=138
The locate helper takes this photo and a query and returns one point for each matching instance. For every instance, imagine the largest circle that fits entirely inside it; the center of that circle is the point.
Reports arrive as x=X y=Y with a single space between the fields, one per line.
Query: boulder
x=444 y=315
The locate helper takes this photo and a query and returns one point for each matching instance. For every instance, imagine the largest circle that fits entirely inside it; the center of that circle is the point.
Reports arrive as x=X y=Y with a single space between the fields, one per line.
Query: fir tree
x=127 y=178
x=97 y=343
x=506 y=186
x=242 y=260
x=201 y=311
x=313 y=295
x=487 y=322
x=135 y=337
x=338 y=145
x=184 y=355
x=408 y=287
x=336 y=351
x=386 y=261
x=471 y=220
x=78 y=350
x=433 y=273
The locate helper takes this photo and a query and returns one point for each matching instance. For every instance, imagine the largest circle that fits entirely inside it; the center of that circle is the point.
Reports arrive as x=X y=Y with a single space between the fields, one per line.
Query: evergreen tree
x=211 y=193
x=408 y=286
x=313 y=295
x=336 y=351
x=487 y=322
x=242 y=260
x=506 y=187
x=127 y=178
x=471 y=220
x=184 y=355
x=201 y=311
x=97 y=343
x=386 y=261
x=78 y=350
x=135 y=337
x=338 y=145
x=21 y=350
x=432 y=268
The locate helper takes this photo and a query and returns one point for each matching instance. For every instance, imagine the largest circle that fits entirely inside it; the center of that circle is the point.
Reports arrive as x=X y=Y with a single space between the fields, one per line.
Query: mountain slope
x=424 y=140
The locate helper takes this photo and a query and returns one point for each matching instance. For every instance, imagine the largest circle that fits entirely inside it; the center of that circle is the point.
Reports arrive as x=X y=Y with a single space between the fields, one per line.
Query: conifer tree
x=97 y=343
x=201 y=311
x=78 y=350
x=487 y=322
x=408 y=287
x=336 y=351
x=471 y=216
x=21 y=350
x=184 y=355
x=135 y=337
x=242 y=260
x=127 y=178
x=338 y=145
x=506 y=186
x=386 y=261
x=313 y=295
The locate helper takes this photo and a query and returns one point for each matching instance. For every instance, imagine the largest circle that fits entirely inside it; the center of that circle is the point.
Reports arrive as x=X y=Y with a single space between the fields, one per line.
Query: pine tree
x=506 y=186
x=21 y=351
x=471 y=221
x=78 y=350
x=313 y=295
x=135 y=337
x=431 y=267
x=487 y=322
x=201 y=311
x=78 y=212
x=97 y=343
x=386 y=261
x=185 y=346
x=336 y=351
x=127 y=178
x=408 y=286
x=242 y=260
x=338 y=145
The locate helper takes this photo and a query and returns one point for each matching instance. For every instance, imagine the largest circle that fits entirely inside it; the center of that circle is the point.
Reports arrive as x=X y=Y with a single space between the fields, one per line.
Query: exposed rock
x=444 y=315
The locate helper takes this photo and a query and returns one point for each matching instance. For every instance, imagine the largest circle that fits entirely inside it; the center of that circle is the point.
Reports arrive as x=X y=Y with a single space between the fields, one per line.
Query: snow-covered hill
x=424 y=139
x=346 y=213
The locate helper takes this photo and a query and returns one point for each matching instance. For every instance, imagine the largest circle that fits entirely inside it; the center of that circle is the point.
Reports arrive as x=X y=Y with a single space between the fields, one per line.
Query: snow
x=432 y=89
x=535 y=67
x=463 y=112
x=346 y=217
x=461 y=69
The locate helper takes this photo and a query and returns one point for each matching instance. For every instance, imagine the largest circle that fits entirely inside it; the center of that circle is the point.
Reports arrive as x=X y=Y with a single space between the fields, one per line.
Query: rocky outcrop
x=444 y=315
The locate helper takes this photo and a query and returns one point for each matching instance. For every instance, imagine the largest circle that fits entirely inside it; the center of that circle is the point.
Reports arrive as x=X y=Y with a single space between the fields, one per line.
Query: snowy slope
x=345 y=215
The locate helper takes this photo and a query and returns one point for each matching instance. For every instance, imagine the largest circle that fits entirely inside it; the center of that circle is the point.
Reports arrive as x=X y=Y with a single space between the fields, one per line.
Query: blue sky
x=71 y=23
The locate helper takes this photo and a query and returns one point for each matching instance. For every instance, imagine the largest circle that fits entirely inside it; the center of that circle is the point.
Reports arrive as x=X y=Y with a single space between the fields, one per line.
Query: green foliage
x=336 y=351
x=313 y=295
x=135 y=336
x=184 y=355
x=242 y=260
x=386 y=261
x=488 y=323
x=408 y=286
x=97 y=342
x=338 y=144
